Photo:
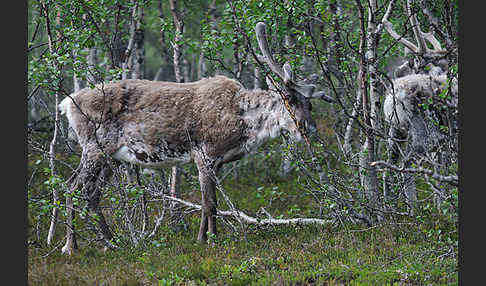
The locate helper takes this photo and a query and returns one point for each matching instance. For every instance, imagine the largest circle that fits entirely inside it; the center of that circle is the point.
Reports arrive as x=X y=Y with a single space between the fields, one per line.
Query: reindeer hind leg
x=71 y=244
x=94 y=174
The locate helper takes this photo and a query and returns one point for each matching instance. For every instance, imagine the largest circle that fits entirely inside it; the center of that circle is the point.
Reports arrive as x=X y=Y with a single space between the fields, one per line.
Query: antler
x=286 y=74
x=421 y=47
x=261 y=36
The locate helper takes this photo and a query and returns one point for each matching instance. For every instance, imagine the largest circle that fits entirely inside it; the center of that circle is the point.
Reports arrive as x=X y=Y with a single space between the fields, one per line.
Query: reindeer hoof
x=66 y=249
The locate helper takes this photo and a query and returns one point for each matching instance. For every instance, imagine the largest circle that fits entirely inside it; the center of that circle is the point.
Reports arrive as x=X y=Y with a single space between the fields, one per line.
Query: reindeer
x=416 y=81
x=154 y=124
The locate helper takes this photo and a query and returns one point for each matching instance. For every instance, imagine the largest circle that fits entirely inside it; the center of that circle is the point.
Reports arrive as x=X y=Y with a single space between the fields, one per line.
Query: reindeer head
x=418 y=80
x=296 y=96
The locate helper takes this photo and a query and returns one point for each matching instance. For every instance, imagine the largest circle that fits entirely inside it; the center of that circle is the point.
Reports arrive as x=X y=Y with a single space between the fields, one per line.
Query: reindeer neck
x=265 y=116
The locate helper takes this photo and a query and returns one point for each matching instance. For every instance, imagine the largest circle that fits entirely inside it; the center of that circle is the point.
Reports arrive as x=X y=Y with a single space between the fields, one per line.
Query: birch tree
x=138 y=44
x=177 y=17
x=128 y=56
x=52 y=146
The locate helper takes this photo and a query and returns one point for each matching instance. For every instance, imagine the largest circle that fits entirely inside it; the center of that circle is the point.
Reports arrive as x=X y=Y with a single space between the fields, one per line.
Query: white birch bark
x=348 y=135
x=371 y=107
x=179 y=29
x=92 y=61
x=179 y=26
x=127 y=63
x=243 y=217
x=52 y=145
x=139 y=49
x=369 y=180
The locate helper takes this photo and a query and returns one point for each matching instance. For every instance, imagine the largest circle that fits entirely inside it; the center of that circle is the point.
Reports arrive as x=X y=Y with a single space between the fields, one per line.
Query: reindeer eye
x=292 y=100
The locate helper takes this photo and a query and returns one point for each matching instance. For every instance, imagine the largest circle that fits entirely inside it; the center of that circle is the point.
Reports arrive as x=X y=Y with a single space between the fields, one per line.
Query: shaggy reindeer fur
x=402 y=110
x=401 y=103
x=154 y=124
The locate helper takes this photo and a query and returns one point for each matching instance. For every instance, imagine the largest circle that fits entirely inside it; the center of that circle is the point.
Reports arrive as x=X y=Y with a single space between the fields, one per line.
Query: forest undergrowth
x=400 y=251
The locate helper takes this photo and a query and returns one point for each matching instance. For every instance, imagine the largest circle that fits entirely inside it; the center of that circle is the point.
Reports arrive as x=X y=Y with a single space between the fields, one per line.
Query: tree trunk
x=186 y=70
x=175 y=191
x=348 y=135
x=77 y=83
x=179 y=26
x=139 y=50
x=373 y=38
x=127 y=63
x=52 y=146
x=179 y=30
x=158 y=74
x=336 y=11
x=164 y=52
x=202 y=68
x=92 y=61
x=374 y=102
x=257 y=81
x=371 y=104
x=368 y=173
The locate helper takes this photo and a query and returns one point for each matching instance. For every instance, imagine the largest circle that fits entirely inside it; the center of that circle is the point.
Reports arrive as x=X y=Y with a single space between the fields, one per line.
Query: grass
x=384 y=255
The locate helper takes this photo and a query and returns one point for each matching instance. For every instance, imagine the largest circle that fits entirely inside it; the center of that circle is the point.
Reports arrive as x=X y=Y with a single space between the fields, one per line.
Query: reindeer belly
x=145 y=143
x=150 y=156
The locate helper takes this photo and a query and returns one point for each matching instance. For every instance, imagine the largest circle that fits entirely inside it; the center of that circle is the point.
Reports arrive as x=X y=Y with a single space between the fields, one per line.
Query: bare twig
x=452 y=179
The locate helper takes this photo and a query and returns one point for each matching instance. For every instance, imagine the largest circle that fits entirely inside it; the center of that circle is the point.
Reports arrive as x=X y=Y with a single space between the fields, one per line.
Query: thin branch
x=452 y=179
x=158 y=222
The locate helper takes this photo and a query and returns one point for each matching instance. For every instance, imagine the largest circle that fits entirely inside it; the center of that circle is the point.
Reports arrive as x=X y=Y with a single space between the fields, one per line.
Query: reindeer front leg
x=209 y=204
x=208 y=198
x=203 y=227
x=395 y=135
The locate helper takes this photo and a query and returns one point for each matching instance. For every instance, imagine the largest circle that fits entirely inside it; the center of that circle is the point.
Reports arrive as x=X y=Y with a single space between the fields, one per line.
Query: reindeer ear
x=308 y=92
x=288 y=74
x=305 y=89
x=322 y=95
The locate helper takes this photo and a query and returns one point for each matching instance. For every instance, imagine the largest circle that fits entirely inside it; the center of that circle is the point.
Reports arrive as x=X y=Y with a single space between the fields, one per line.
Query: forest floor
x=401 y=251
x=391 y=254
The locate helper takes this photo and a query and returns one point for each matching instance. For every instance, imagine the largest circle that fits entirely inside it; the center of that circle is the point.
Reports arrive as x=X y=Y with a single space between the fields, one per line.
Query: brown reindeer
x=153 y=124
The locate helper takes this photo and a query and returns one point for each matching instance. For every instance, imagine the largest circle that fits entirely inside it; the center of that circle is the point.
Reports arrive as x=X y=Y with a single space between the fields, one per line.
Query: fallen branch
x=252 y=220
